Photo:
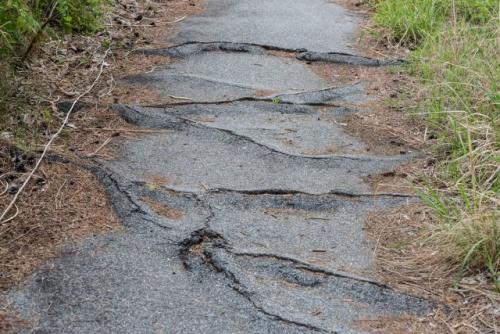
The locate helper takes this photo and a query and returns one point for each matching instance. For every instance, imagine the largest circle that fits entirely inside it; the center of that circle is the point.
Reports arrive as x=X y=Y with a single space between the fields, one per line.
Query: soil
x=163 y=209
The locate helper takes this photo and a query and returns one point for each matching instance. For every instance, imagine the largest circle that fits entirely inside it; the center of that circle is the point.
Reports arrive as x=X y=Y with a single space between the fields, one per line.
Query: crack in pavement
x=224 y=75
x=113 y=186
x=296 y=192
x=128 y=112
x=206 y=235
x=203 y=243
x=242 y=99
x=284 y=192
x=236 y=163
x=309 y=267
x=193 y=47
x=363 y=158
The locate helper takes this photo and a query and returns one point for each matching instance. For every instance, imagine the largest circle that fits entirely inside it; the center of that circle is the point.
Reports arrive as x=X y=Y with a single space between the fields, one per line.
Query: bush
x=20 y=20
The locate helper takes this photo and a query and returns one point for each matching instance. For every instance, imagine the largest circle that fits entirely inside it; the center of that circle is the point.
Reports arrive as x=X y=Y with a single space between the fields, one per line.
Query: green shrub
x=20 y=20
x=17 y=21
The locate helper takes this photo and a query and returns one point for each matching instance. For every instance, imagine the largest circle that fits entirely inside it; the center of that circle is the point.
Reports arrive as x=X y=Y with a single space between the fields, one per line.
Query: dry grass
x=63 y=204
x=406 y=260
x=94 y=129
x=402 y=179
x=405 y=325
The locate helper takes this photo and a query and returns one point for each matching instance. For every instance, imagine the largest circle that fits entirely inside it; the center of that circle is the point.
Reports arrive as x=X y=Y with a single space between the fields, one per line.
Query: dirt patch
x=144 y=26
x=139 y=94
x=404 y=261
x=282 y=54
x=163 y=209
x=151 y=22
x=92 y=132
x=387 y=132
x=264 y=93
x=402 y=179
x=139 y=63
x=381 y=81
x=136 y=94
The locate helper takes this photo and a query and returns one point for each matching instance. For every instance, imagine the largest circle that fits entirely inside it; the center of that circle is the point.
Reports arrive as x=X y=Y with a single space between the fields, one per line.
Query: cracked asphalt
x=260 y=200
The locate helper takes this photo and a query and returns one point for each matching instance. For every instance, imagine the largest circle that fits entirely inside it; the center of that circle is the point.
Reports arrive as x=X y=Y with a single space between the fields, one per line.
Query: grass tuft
x=410 y=22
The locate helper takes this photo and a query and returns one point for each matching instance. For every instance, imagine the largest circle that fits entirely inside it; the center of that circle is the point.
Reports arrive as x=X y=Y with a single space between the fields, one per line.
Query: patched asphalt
x=244 y=212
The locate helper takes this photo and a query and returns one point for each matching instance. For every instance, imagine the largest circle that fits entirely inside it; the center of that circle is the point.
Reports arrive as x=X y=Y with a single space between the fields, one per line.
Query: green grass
x=412 y=21
x=455 y=59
